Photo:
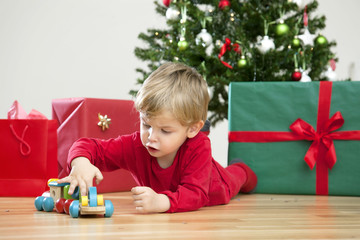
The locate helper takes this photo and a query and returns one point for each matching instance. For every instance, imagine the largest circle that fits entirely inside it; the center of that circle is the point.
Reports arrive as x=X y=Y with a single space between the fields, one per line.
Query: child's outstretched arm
x=82 y=175
x=147 y=200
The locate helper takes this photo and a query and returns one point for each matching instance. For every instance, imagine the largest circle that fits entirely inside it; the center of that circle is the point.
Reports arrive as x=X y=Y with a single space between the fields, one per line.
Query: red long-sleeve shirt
x=194 y=179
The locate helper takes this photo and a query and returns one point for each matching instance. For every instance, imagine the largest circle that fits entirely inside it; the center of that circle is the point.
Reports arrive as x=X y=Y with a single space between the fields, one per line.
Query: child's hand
x=147 y=200
x=82 y=175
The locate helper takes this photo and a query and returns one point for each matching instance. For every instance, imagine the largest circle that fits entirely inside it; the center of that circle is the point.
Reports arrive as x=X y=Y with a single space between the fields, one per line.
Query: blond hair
x=177 y=88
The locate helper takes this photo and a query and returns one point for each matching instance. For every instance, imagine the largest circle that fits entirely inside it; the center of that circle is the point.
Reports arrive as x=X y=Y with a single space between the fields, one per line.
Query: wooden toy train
x=75 y=205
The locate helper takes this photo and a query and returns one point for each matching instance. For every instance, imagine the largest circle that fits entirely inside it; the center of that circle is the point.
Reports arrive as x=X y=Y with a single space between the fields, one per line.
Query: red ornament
x=224 y=4
x=296 y=76
x=166 y=2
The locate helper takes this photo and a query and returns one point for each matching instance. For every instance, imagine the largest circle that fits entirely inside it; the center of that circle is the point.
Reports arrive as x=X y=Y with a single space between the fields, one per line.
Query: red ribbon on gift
x=227 y=47
x=322 y=150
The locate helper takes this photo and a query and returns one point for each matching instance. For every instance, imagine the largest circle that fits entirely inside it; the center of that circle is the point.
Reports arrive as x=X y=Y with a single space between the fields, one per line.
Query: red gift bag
x=95 y=118
x=28 y=155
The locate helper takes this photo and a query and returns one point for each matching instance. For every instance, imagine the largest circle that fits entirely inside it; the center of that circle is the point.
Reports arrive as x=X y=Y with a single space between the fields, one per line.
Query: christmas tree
x=240 y=40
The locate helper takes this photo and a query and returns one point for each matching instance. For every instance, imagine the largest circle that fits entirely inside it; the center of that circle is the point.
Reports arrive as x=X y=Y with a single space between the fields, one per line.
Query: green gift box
x=299 y=138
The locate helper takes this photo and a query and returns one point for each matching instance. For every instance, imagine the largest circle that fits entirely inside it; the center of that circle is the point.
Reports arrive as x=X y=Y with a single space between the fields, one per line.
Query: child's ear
x=195 y=128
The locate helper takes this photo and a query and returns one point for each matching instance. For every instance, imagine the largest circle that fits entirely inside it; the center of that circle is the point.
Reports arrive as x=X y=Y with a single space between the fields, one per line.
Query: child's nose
x=151 y=135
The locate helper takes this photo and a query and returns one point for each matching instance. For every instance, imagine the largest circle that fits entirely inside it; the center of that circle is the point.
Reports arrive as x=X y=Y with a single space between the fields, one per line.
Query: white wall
x=84 y=48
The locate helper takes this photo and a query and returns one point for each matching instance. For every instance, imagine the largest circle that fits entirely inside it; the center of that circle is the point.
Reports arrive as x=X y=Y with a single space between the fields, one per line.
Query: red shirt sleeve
x=107 y=155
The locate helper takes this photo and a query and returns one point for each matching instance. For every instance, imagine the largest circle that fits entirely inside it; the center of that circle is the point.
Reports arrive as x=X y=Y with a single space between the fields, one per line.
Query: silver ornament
x=266 y=44
x=203 y=37
x=172 y=13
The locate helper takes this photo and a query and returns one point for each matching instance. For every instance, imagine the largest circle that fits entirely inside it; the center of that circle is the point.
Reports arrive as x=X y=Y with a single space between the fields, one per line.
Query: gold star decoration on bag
x=104 y=122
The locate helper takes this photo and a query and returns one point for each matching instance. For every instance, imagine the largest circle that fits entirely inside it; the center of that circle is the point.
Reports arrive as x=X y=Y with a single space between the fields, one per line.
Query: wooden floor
x=246 y=217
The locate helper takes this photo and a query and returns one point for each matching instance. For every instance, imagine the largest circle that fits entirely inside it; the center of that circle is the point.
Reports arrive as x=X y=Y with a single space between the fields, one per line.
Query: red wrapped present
x=95 y=118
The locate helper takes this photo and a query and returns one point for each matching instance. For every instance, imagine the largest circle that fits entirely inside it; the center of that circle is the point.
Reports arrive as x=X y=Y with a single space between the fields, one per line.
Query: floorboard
x=251 y=216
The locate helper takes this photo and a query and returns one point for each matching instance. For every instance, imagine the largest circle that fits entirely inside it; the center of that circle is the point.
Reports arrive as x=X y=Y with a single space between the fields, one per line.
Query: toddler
x=169 y=158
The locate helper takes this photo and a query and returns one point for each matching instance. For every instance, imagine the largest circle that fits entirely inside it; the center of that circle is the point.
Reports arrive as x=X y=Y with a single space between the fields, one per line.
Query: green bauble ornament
x=242 y=62
x=183 y=45
x=295 y=42
x=282 y=29
x=321 y=40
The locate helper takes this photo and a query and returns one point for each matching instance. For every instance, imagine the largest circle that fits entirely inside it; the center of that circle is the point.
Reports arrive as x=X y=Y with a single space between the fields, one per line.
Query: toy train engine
x=57 y=197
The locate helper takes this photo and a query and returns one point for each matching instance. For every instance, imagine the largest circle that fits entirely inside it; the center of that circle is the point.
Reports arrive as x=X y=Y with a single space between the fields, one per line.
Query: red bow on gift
x=228 y=47
x=307 y=132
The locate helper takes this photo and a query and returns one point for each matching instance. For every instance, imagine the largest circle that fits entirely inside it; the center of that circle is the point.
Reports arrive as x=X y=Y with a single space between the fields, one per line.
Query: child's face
x=162 y=136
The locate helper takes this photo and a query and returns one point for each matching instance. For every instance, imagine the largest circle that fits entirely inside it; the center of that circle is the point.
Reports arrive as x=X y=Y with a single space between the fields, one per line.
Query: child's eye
x=146 y=125
x=165 y=131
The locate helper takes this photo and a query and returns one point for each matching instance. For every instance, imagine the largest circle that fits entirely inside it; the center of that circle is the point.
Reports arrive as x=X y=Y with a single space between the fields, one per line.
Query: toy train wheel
x=38 y=203
x=48 y=204
x=74 y=209
x=67 y=205
x=109 y=208
x=59 y=205
x=92 y=197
